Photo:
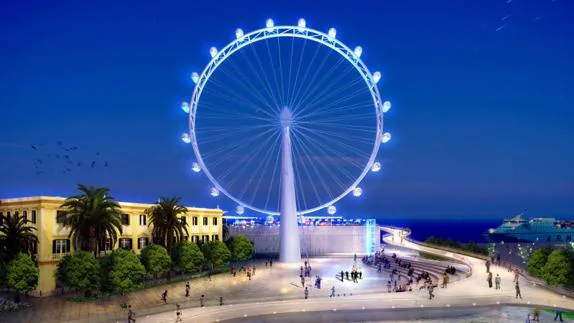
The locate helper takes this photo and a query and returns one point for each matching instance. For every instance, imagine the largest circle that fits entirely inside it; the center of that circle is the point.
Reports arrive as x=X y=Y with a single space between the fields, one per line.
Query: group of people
x=498 y=279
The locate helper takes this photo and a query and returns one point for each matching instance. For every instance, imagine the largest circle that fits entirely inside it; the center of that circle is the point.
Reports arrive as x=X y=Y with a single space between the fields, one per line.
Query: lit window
x=205 y=220
x=33 y=216
x=194 y=220
x=143 y=219
x=60 y=246
x=214 y=221
x=142 y=242
x=126 y=243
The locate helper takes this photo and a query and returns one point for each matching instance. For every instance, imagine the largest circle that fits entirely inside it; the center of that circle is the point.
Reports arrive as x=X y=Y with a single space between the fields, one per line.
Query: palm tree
x=165 y=217
x=16 y=235
x=93 y=217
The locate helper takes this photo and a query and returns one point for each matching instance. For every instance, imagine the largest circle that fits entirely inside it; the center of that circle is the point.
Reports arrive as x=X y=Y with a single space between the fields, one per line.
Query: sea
x=457 y=230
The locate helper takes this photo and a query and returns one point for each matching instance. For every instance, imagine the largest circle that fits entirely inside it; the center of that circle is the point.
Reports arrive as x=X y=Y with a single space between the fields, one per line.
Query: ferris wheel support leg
x=290 y=248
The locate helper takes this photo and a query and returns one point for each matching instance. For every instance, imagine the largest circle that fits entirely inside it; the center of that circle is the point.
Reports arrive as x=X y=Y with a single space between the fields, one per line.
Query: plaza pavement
x=277 y=290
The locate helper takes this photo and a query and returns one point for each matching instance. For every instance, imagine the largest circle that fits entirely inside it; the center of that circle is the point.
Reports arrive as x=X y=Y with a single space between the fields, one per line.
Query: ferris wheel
x=286 y=113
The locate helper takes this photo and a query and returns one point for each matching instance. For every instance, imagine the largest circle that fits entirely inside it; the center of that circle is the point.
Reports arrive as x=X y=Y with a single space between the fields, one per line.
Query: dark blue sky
x=482 y=94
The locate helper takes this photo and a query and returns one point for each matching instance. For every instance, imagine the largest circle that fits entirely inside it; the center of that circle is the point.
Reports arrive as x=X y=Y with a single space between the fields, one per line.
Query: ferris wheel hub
x=286 y=117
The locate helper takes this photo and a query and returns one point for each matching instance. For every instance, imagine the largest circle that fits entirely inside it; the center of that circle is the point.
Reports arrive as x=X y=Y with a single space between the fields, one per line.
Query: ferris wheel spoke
x=352 y=137
x=262 y=79
x=328 y=137
x=236 y=166
x=245 y=143
x=330 y=163
x=300 y=184
x=303 y=81
x=311 y=84
x=223 y=137
x=281 y=73
x=274 y=74
x=263 y=166
x=315 y=163
x=293 y=92
x=235 y=97
x=288 y=91
x=328 y=93
x=247 y=86
x=323 y=101
x=299 y=152
x=269 y=190
x=267 y=82
x=246 y=164
x=312 y=89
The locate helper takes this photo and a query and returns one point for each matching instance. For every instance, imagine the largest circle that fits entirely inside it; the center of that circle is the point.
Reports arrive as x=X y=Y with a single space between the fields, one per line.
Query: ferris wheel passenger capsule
x=358 y=51
x=357 y=192
x=331 y=209
x=376 y=77
x=195 y=167
x=332 y=33
x=239 y=210
x=213 y=52
x=238 y=33
x=185 y=106
x=195 y=77
x=214 y=192
x=386 y=106
x=185 y=138
x=302 y=23
x=376 y=167
x=386 y=137
x=269 y=23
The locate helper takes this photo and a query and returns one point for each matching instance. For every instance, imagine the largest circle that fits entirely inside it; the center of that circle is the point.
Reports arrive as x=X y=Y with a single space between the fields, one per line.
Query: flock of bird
x=63 y=159
x=506 y=20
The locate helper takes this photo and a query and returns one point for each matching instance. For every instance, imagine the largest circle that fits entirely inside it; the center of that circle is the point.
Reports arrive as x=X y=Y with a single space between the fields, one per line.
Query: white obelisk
x=289 y=249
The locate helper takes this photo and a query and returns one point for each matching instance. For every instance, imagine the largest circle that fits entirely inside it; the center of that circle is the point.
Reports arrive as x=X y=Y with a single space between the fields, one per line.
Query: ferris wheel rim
x=292 y=32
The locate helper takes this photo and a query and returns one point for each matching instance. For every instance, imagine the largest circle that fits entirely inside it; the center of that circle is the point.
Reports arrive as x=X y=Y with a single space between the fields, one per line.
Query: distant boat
x=541 y=230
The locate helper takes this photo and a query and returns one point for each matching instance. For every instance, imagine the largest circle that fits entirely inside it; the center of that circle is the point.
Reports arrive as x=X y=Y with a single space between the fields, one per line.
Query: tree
x=165 y=217
x=537 y=261
x=241 y=248
x=122 y=271
x=155 y=259
x=216 y=253
x=81 y=271
x=16 y=235
x=558 y=268
x=225 y=232
x=188 y=257
x=61 y=271
x=93 y=217
x=22 y=274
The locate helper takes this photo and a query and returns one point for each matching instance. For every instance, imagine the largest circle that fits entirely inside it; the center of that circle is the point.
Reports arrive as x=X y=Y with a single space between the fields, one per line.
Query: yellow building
x=53 y=242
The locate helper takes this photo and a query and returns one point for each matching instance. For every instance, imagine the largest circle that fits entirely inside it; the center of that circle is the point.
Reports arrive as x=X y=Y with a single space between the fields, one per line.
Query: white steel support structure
x=289 y=246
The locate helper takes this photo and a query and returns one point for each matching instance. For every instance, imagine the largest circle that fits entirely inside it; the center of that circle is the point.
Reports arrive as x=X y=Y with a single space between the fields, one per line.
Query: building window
x=186 y=238
x=205 y=220
x=204 y=238
x=25 y=215
x=126 y=243
x=60 y=217
x=33 y=216
x=142 y=242
x=143 y=219
x=183 y=220
x=60 y=246
x=125 y=219
x=194 y=220
x=215 y=237
x=214 y=221
x=195 y=239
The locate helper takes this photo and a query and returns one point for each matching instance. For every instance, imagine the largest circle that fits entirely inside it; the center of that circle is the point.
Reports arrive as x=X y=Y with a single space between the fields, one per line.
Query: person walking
x=536 y=314
x=220 y=300
x=131 y=315
x=487 y=264
x=306 y=292
x=497 y=281
x=558 y=316
x=332 y=291
x=164 y=296
x=489 y=280
x=431 y=290
x=178 y=314
x=517 y=287
x=187 y=288
x=201 y=300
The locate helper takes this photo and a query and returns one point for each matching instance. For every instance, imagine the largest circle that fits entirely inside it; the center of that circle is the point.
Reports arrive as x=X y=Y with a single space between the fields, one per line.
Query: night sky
x=482 y=92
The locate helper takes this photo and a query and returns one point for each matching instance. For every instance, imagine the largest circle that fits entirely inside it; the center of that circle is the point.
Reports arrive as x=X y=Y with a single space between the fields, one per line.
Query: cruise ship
x=542 y=230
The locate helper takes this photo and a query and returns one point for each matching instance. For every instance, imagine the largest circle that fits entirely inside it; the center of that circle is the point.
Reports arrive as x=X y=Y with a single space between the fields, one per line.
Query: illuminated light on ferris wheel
x=186 y=138
x=376 y=167
x=386 y=137
x=195 y=77
x=358 y=51
x=195 y=167
x=185 y=107
x=386 y=106
x=286 y=120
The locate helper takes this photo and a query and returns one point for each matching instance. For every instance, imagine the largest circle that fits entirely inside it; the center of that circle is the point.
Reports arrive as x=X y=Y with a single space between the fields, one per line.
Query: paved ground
x=277 y=290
